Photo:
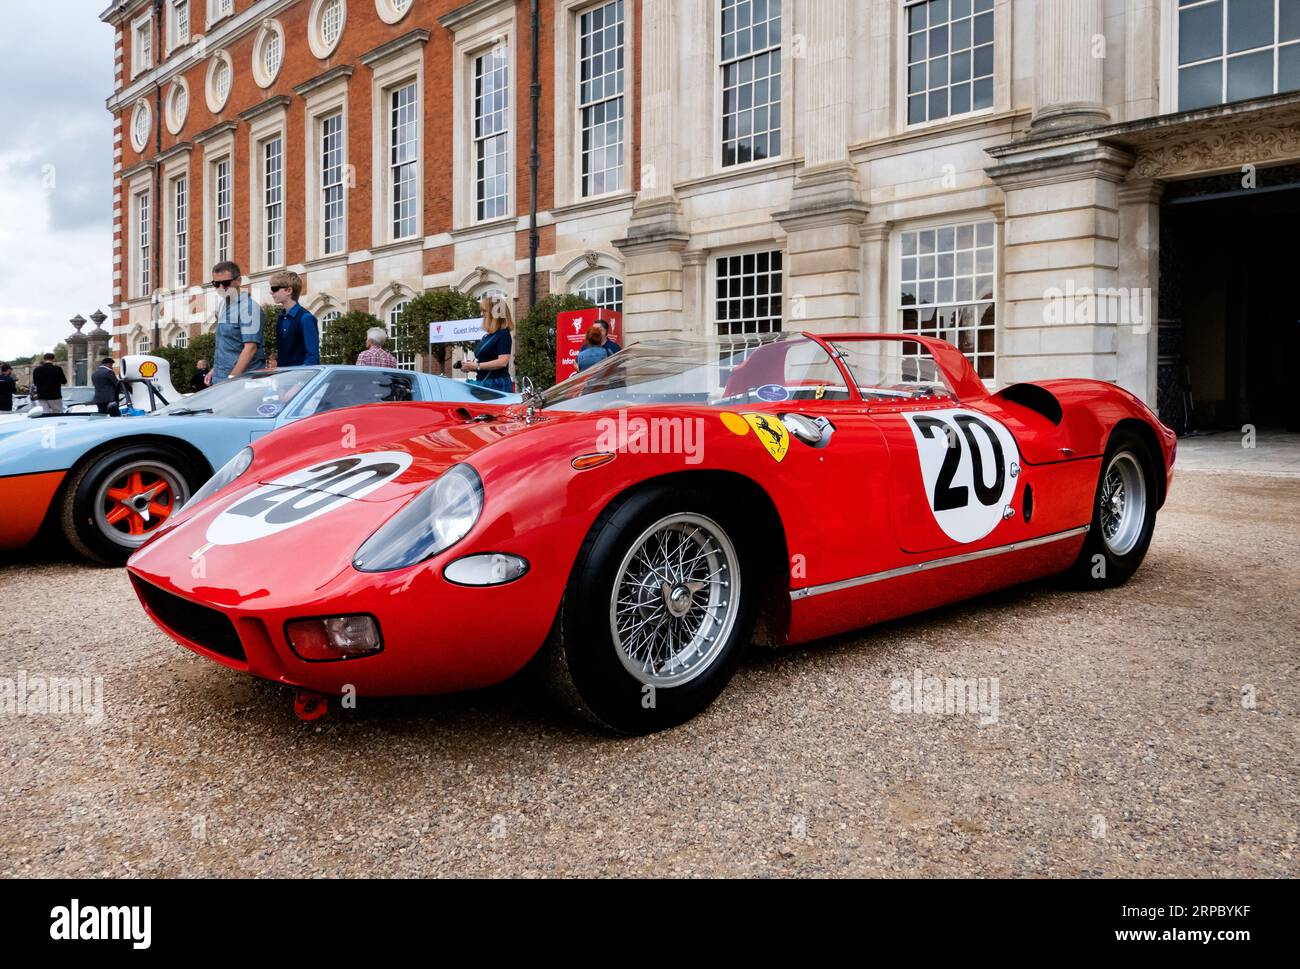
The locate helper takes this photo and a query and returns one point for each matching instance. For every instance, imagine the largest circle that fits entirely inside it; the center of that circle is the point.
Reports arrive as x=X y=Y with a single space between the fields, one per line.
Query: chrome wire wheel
x=675 y=600
x=1123 y=503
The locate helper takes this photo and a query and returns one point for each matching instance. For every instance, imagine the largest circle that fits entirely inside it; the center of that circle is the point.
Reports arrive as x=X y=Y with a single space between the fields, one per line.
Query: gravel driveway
x=1147 y=731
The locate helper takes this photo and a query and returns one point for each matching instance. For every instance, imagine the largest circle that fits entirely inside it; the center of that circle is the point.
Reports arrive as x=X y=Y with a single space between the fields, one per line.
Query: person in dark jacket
x=200 y=378
x=107 y=387
x=592 y=352
x=8 y=387
x=297 y=334
x=48 y=378
x=607 y=342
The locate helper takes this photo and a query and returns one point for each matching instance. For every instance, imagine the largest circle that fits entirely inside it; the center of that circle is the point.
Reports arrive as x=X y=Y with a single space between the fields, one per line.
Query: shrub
x=270 y=319
x=436 y=306
x=535 y=338
x=346 y=337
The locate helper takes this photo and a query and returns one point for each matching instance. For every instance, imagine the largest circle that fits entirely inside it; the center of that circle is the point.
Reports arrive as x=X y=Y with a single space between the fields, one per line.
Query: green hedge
x=535 y=338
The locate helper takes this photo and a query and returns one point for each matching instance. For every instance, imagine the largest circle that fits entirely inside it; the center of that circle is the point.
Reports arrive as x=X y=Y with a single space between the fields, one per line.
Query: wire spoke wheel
x=135 y=499
x=1123 y=503
x=675 y=600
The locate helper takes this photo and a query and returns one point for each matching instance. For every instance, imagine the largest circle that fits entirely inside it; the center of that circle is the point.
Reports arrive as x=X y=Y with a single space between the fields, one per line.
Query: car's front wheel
x=1123 y=514
x=114 y=503
x=656 y=614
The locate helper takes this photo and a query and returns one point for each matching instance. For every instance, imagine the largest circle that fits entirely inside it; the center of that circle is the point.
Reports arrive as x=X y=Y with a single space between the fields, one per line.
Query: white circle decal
x=969 y=463
x=305 y=494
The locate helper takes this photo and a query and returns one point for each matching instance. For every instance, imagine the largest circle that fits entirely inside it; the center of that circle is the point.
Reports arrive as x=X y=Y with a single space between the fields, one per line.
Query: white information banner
x=456 y=331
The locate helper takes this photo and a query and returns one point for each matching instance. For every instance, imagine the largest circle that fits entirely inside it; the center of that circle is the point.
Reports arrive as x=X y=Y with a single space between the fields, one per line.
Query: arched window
x=603 y=289
x=181 y=340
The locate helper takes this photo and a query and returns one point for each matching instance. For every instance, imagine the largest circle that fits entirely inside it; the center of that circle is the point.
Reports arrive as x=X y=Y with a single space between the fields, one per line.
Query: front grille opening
x=205 y=627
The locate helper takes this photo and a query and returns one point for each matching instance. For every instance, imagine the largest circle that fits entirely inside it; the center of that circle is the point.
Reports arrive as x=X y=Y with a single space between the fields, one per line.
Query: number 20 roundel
x=969 y=463
x=305 y=494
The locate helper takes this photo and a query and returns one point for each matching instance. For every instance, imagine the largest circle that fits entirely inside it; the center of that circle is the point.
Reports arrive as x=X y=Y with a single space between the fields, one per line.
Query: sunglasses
x=280 y=289
x=222 y=283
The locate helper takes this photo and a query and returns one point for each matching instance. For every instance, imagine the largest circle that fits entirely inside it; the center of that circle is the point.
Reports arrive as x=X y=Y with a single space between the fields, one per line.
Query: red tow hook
x=308 y=706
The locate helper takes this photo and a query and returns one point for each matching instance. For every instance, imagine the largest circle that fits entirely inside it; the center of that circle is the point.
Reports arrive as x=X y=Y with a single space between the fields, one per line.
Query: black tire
x=84 y=517
x=585 y=667
x=1104 y=563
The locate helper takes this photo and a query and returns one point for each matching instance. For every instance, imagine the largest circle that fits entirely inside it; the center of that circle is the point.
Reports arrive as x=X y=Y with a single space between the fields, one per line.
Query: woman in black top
x=492 y=355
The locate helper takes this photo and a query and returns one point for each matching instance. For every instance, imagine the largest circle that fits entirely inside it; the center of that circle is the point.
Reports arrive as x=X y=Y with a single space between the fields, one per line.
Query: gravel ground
x=1122 y=746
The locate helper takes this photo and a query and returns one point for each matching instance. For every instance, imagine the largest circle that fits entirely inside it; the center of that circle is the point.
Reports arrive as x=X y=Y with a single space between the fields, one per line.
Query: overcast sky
x=56 y=170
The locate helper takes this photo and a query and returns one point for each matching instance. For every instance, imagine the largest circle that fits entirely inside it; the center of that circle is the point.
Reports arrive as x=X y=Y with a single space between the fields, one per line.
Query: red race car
x=631 y=530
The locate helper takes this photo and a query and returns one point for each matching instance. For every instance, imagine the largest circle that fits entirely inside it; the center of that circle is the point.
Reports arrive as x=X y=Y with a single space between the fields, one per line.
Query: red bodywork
x=853 y=520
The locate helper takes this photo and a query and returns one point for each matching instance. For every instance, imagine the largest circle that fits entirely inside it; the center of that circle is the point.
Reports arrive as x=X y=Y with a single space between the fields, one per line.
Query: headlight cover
x=438 y=518
x=231 y=470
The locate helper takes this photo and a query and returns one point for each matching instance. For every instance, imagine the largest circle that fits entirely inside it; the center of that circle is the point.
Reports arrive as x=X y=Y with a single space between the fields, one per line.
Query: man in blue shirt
x=297 y=334
x=607 y=343
x=239 y=327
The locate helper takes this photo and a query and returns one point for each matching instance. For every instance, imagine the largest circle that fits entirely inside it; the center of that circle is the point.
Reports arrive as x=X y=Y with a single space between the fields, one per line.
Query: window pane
x=1200 y=86
x=1250 y=25
x=1200 y=33
x=1288 y=68
x=1250 y=75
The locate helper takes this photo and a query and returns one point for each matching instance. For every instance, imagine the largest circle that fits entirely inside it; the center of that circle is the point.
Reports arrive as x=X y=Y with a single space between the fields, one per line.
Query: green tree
x=346 y=337
x=535 y=338
x=436 y=306
x=270 y=319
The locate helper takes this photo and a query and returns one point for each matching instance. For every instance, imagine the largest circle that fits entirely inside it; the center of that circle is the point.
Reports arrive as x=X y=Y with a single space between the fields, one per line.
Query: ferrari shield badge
x=771 y=432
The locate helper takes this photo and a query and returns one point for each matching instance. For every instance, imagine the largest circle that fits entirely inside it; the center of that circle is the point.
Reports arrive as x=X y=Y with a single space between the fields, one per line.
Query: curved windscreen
x=263 y=394
x=716 y=373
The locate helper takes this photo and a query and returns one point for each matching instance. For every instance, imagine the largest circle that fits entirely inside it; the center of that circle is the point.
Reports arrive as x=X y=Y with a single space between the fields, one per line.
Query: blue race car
x=112 y=481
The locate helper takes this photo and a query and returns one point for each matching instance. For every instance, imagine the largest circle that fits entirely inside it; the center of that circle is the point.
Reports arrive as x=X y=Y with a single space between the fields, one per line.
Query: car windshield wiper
x=187 y=411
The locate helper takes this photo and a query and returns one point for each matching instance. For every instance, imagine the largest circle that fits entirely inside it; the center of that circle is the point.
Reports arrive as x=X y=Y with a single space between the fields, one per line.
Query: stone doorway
x=1229 y=302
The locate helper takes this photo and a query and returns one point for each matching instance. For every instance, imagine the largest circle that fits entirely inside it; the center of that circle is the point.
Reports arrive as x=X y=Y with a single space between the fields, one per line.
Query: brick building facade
x=1060 y=187
x=321 y=136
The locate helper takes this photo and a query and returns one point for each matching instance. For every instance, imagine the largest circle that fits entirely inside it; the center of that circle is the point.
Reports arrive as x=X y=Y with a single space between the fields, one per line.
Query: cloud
x=56 y=170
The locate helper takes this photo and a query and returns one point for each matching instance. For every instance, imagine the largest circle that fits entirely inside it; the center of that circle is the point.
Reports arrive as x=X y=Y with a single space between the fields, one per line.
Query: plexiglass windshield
x=264 y=394
x=721 y=373
x=743 y=372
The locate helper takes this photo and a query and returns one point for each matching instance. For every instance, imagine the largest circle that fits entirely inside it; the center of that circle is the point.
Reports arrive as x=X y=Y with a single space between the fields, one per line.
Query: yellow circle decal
x=735 y=423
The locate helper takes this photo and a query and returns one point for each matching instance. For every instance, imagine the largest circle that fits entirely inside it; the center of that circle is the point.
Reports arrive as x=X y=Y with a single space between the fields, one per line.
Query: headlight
x=231 y=470
x=437 y=519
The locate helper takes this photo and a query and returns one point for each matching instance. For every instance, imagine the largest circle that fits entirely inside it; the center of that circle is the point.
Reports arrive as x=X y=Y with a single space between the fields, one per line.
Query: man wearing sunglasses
x=239 y=327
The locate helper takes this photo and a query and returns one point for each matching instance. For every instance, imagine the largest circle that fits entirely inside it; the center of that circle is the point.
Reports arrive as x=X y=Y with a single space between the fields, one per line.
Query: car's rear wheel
x=656 y=614
x=114 y=503
x=1123 y=514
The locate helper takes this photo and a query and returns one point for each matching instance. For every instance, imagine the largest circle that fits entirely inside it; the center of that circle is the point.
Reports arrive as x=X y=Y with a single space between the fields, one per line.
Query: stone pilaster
x=1137 y=343
x=1068 y=74
x=822 y=225
x=1061 y=303
x=656 y=235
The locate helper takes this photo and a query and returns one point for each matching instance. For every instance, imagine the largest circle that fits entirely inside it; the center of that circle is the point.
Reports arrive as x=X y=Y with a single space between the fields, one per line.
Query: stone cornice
x=278 y=103
x=469 y=12
x=175 y=151
x=320 y=80
x=216 y=131
x=419 y=36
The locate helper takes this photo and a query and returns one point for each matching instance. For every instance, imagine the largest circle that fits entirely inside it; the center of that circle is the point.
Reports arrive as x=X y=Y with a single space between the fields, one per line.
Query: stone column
x=1068 y=73
x=822 y=224
x=877 y=301
x=656 y=235
x=1137 y=344
x=1060 y=259
x=78 y=366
